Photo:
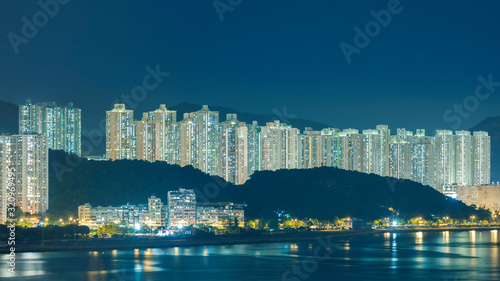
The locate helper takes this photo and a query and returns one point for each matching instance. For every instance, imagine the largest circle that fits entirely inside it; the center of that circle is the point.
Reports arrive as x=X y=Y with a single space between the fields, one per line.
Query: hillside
x=318 y=193
x=492 y=126
x=9 y=118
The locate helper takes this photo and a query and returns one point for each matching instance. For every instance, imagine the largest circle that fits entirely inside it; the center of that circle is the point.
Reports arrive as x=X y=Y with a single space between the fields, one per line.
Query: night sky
x=263 y=55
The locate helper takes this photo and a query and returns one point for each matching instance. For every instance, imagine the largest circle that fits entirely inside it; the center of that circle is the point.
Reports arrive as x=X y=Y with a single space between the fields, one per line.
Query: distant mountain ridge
x=492 y=126
x=278 y=114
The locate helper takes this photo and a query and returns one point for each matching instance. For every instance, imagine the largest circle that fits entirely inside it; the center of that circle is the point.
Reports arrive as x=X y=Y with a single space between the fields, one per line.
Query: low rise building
x=482 y=196
x=125 y=215
x=220 y=214
x=181 y=208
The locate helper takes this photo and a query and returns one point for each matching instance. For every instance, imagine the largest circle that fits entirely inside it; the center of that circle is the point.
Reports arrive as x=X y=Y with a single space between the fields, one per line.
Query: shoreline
x=162 y=242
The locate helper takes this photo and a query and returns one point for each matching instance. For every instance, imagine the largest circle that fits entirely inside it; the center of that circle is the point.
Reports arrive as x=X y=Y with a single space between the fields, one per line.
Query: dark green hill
x=326 y=192
x=321 y=193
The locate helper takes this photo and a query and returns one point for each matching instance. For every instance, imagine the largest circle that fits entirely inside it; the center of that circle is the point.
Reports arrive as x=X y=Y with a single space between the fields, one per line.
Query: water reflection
x=446 y=237
x=420 y=237
x=494 y=254
x=472 y=236
x=404 y=256
x=394 y=251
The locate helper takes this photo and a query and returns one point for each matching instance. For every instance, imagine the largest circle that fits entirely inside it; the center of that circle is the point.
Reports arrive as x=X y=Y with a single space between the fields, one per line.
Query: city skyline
x=260 y=140
x=234 y=150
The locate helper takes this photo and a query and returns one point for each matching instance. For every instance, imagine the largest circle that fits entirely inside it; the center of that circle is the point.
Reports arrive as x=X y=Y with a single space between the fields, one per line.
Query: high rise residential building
x=399 y=156
x=463 y=158
x=181 y=208
x=120 y=133
x=355 y=149
x=190 y=142
x=61 y=125
x=481 y=158
x=327 y=149
x=253 y=148
x=335 y=149
x=150 y=140
x=5 y=168
x=173 y=143
x=310 y=149
x=208 y=144
x=279 y=146
x=383 y=154
x=28 y=155
x=423 y=158
x=445 y=158
x=164 y=115
x=371 y=149
x=234 y=150
x=168 y=134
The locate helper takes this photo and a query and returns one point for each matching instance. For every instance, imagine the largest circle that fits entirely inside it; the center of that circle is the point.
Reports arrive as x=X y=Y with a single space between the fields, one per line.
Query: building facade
x=61 y=125
x=181 y=208
x=220 y=214
x=28 y=156
x=120 y=133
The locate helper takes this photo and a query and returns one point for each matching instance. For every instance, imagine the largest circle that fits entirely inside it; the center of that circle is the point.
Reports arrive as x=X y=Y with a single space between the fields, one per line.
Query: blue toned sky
x=262 y=55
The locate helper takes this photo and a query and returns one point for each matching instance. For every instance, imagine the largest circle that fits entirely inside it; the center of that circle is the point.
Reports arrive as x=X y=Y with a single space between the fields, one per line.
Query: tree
x=110 y=229
x=289 y=224
x=251 y=224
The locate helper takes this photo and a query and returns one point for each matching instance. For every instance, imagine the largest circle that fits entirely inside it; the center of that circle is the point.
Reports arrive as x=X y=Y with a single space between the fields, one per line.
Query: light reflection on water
x=465 y=255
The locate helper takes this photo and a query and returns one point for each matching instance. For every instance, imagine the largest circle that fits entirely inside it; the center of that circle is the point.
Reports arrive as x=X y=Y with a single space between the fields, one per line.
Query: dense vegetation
x=321 y=193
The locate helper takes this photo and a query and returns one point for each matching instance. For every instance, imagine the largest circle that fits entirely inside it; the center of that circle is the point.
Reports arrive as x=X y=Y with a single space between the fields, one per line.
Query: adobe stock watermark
x=309 y=265
x=283 y=116
x=11 y=214
x=211 y=189
x=372 y=29
x=459 y=112
x=223 y=6
x=30 y=27
x=392 y=183
x=96 y=137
